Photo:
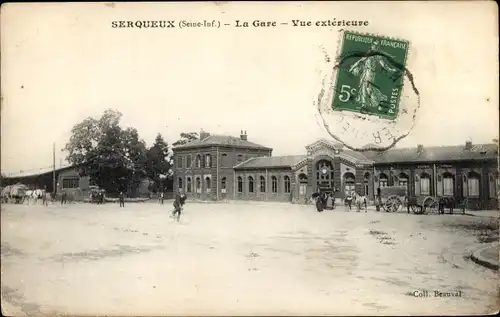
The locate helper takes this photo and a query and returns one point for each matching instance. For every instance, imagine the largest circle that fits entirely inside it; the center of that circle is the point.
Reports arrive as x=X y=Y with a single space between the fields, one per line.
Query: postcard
x=250 y=158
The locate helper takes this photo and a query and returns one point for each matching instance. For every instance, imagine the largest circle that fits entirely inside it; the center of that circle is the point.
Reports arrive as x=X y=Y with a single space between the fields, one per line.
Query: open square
x=237 y=258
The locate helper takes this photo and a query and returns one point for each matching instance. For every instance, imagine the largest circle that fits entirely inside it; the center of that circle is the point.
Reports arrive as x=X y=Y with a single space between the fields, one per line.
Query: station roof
x=272 y=162
x=435 y=154
x=37 y=172
x=222 y=140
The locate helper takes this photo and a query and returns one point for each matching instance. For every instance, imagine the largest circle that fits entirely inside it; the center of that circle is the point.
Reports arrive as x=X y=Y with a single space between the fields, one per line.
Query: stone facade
x=243 y=173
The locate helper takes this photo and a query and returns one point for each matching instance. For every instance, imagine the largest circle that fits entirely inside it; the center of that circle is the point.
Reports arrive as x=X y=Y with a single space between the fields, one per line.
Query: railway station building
x=221 y=167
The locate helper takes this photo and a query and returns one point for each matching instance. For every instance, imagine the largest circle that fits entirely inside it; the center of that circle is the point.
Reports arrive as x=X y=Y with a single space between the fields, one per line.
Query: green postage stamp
x=370 y=75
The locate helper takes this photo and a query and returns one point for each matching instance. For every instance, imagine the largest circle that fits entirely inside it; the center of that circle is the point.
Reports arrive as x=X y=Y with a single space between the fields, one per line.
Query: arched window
x=198 y=185
x=448 y=184
x=302 y=184
x=208 y=160
x=425 y=184
x=223 y=161
x=250 y=184
x=180 y=183
x=208 y=184
x=349 y=183
x=188 y=161
x=492 y=186
x=274 y=184
x=382 y=180
x=188 y=185
x=240 y=184
x=262 y=184
x=198 y=161
x=286 y=181
x=473 y=180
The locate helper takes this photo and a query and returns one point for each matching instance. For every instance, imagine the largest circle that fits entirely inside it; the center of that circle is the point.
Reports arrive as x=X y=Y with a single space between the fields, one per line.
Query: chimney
x=420 y=148
x=468 y=145
x=203 y=134
x=243 y=135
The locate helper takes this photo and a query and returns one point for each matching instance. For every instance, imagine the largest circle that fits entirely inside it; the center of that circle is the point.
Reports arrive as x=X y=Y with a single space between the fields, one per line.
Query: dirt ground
x=234 y=259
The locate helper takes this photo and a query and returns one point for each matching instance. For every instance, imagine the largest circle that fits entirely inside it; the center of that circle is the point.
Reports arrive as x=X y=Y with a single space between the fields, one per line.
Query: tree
x=159 y=163
x=113 y=158
x=186 y=137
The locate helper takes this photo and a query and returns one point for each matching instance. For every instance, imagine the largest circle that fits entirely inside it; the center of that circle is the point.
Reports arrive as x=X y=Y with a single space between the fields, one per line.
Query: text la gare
x=255 y=23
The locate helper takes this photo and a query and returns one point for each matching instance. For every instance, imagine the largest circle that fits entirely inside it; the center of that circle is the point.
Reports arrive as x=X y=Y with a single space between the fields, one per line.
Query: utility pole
x=54 y=168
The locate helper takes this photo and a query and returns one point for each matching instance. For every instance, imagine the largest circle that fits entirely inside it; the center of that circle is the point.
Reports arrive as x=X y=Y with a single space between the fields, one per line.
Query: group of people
x=325 y=200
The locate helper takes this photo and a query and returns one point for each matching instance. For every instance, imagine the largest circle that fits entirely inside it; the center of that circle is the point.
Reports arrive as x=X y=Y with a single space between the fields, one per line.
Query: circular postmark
x=369 y=101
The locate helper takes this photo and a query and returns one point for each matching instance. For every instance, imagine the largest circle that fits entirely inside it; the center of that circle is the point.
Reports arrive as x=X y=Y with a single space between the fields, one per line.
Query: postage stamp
x=370 y=77
x=369 y=101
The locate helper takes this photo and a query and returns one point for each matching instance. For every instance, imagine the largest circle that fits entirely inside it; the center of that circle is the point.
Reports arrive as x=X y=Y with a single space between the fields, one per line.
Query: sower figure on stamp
x=180 y=200
x=369 y=95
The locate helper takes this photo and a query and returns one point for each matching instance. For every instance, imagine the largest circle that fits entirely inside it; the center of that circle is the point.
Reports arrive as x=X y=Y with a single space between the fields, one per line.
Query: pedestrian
x=63 y=198
x=161 y=198
x=349 y=201
x=122 y=199
x=179 y=201
x=378 y=199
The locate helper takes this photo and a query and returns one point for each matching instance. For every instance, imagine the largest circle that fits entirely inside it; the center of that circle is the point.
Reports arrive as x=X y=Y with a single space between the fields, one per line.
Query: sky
x=64 y=62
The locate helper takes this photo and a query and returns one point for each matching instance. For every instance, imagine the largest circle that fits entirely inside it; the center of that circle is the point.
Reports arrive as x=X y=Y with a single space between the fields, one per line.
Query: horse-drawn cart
x=391 y=198
x=422 y=204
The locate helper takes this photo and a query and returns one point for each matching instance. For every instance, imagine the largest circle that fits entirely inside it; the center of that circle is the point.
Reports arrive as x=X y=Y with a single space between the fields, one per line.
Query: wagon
x=422 y=204
x=391 y=198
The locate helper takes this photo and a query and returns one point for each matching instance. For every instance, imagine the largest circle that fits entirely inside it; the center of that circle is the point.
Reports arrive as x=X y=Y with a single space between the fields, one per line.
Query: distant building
x=67 y=179
x=218 y=167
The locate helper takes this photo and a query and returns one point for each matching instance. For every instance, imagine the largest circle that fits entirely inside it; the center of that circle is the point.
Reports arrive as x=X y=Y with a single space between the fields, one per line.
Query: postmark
x=369 y=101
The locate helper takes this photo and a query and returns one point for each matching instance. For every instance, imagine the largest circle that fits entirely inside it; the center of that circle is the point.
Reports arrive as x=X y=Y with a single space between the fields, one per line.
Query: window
x=179 y=161
x=287 y=184
x=188 y=161
x=382 y=180
x=188 y=185
x=240 y=158
x=240 y=184
x=262 y=184
x=448 y=185
x=208 y=184
x=198 y=185
x=274 y=184
x=70 y=182
x=208 y=160
x=366 y=183
x=492 y=186
x=473 y=184
x=349 y=183
x=223 y=160
x=250 y=184
x=403 y=181
x=223 y=183
x=198 y=161
x=425 y=184
x=180 y=183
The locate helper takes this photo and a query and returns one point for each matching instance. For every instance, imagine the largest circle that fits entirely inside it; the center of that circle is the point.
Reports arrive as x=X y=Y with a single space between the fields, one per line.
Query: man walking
x=179 y=201
x=122 y=199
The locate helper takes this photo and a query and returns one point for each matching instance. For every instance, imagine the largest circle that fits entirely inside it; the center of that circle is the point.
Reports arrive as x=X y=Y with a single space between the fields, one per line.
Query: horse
x=360 y=201
x=447 y=202
x=35 y=195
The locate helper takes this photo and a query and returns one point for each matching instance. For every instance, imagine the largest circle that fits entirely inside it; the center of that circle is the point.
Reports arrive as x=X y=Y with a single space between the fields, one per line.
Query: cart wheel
x=430 y=204
x=392 y=204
